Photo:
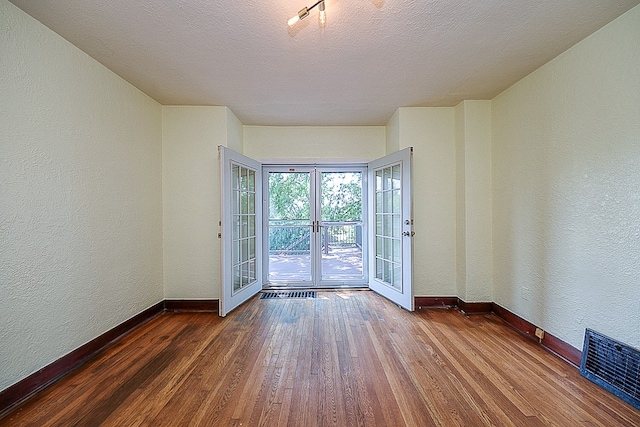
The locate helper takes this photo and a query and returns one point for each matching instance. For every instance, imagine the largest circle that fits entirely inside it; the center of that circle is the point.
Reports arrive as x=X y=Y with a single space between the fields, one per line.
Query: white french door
x=391 y=228
x=315 y=223
x=241 y=213
x=328 y=241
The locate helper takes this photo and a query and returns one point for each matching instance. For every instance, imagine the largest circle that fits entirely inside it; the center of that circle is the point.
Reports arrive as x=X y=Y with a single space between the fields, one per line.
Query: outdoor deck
x=339 y=264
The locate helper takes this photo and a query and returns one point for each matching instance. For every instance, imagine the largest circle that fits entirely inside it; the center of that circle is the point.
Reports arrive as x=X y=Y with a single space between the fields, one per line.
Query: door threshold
x=316 y=288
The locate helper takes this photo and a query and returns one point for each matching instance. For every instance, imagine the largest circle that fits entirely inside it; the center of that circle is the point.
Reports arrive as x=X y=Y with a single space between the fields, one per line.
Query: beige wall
x=326 y=143
x=566 y=180
x=392 y=143
x=431 y=133
x=191 y=197
x=81 y=201
x=473 y=201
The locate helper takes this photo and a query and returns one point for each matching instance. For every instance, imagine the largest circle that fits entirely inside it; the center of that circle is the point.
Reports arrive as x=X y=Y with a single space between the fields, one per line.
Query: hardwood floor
x=344 y=359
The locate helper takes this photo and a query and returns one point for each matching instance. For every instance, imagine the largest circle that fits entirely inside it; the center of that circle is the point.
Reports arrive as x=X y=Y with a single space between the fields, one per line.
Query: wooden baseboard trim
x=475 y=307
x=553 y=344
x=562 y=349
x=436 y=302
x=191 y=305
x=454 y=302
x=22 y=390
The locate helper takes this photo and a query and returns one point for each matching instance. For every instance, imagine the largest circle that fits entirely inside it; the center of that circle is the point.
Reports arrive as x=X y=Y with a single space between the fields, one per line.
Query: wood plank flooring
x=343 y=359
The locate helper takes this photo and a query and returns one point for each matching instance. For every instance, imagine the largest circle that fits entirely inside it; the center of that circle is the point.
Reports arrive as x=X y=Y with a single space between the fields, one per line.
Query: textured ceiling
x=372 y=57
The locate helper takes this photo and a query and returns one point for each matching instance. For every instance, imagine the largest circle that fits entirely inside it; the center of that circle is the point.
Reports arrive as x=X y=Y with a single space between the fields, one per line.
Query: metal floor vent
x=612 y=365
x=290 y=294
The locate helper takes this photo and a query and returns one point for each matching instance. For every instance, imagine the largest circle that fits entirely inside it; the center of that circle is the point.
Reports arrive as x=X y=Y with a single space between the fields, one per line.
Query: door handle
x=409 y=233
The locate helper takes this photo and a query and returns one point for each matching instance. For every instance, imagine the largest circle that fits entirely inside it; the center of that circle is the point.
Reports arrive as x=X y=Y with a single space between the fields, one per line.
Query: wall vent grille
x=612 y=365
x=291 y=294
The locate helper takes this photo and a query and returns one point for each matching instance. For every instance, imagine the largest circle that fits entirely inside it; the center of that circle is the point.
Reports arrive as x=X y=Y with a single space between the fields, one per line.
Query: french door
x=315 y=226
x=241 y=213
x=391 y=213
x=321 y=226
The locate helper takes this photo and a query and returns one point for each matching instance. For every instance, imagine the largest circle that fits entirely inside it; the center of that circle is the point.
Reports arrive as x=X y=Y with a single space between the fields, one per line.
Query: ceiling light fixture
x=304 y=12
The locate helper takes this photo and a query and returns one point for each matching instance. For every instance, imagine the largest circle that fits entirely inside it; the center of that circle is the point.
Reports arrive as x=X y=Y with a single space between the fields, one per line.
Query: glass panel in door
x=290 y=227
x=243 y=232
x=341 y=220
x=388 y=234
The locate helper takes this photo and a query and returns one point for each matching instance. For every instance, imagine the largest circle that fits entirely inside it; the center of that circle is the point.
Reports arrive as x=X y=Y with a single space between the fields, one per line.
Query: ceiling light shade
x=304 y=12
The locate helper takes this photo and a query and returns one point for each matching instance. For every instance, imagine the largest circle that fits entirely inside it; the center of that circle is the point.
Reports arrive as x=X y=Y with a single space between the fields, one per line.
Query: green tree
x=341 y=196
x=289 y=196
x=289 y=205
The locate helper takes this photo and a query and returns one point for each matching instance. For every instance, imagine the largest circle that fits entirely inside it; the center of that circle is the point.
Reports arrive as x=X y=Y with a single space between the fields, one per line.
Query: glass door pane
x=289 y=227
x=341 y=226
x=243 y=232
x=388 y=234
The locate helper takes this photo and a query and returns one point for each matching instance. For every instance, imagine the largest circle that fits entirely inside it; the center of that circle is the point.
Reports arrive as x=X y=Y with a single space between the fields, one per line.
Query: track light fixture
x=304 y=12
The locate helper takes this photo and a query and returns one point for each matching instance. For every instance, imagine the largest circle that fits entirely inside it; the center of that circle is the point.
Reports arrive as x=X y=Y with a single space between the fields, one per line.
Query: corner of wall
x=392 y=133
x=235 y=132
x=474 y=265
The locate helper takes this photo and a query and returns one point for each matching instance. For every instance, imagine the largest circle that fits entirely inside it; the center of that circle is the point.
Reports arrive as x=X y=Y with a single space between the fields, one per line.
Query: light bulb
x=323 y=15
x=293 y=21
x=304 y=12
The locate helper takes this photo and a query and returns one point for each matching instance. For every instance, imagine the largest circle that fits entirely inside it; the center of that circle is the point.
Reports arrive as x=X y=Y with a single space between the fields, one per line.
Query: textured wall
x=191 y=198
x=359 y=143
x=473 y=200
x=235 y=133
x=431 y=131
x=80 y=198
x=393 y=133
x=566 y=171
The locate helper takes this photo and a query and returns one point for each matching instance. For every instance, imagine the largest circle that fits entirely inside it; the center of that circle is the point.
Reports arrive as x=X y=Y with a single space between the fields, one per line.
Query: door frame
x=316 y=170
x=230 y=299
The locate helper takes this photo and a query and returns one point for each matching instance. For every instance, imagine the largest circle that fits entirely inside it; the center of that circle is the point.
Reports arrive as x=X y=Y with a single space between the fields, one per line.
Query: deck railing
x=295 y=239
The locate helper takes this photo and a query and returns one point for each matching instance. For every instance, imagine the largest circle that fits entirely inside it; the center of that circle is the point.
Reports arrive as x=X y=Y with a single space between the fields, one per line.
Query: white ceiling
x=372 y=57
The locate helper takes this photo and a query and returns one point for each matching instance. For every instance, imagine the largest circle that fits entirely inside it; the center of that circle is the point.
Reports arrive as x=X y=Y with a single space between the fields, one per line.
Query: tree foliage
x=290 y=204
x=341 y=194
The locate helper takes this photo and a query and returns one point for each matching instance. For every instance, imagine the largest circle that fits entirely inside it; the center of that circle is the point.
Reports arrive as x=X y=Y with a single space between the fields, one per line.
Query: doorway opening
x=315 y=226
x=315 y=221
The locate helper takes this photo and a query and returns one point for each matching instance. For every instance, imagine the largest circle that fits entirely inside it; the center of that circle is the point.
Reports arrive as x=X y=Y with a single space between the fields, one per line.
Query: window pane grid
x=243 y=230
x=388 y=211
